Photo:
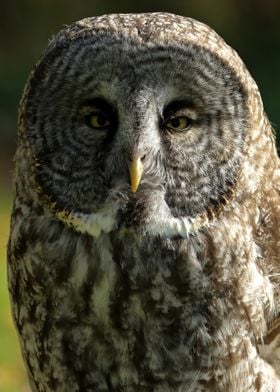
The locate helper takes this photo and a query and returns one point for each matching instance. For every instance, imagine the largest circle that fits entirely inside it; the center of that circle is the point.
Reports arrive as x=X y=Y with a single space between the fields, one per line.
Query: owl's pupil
x=175 y=122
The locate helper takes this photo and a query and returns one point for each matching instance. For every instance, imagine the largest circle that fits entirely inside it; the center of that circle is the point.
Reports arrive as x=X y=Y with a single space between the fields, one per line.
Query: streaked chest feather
x=137 y=309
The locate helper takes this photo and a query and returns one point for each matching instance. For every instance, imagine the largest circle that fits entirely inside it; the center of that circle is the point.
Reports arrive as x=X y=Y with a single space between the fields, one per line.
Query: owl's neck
x=161 y=224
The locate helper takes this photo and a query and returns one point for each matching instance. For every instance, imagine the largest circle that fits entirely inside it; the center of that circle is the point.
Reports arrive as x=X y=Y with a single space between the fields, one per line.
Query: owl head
x=141 y=122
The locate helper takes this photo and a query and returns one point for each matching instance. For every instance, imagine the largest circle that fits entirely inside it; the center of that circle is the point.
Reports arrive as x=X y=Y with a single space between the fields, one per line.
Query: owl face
x=147 y=127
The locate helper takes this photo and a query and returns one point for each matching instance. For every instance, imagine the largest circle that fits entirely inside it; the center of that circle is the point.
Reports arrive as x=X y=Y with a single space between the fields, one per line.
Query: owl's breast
x=137 y=313
x=159 y=313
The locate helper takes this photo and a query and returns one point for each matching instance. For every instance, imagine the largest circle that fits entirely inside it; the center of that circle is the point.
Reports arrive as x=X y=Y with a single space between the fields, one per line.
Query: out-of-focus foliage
x=12 y=374
x=251 y=26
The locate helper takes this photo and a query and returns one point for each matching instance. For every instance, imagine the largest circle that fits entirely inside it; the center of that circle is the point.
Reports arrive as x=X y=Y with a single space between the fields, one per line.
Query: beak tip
x=134 y=189
x=134 y=186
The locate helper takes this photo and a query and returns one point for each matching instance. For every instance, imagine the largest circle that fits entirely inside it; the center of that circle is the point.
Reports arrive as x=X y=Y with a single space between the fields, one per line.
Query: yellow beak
x=135 y=173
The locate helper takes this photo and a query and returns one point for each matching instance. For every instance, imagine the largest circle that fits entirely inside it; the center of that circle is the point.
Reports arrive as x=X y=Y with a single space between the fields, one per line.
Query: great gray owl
x=144 y=246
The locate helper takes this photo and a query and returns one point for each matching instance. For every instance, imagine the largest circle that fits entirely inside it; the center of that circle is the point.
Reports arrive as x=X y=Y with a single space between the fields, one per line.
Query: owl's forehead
x=148 y=30
x=119 y=55
x=117 y=52
x=115 y=61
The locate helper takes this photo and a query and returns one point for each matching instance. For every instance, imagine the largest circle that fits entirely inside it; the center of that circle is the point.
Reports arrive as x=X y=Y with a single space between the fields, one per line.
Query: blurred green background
x=251 y=27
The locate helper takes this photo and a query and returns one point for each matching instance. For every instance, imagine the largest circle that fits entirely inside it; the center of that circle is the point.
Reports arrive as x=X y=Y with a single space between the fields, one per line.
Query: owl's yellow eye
x=178 y=123
x=98 y=121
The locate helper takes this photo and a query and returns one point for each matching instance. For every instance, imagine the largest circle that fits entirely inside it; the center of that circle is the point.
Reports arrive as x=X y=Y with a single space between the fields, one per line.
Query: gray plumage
x=171 y=284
